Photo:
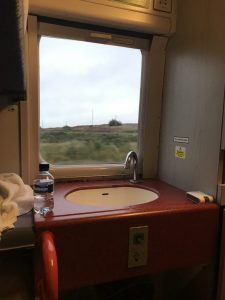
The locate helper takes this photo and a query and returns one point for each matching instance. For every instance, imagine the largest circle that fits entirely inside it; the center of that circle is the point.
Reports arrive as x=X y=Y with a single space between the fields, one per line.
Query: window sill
x=87 y=172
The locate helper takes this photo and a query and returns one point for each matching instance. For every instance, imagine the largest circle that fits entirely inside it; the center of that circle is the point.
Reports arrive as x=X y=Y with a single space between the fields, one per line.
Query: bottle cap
x=43 y=167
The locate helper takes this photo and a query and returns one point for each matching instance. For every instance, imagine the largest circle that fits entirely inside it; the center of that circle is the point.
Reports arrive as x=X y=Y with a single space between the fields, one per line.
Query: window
x=89 y=101
x=38 y=128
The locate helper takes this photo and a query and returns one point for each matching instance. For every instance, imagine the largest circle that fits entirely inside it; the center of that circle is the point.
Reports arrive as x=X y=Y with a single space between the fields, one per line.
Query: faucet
x=132 y=158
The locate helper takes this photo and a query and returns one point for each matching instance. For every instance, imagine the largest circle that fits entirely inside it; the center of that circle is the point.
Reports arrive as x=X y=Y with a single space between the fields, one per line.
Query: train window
x=93 y=96
x=89 y=101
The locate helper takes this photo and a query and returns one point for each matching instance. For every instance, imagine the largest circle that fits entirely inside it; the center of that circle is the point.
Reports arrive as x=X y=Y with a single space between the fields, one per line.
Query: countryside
x=88 y=144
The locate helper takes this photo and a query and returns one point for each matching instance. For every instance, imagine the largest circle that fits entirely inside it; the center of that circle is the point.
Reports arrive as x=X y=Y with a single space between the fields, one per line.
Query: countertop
x=92 y=244
x=170 y=199
x=22 y=236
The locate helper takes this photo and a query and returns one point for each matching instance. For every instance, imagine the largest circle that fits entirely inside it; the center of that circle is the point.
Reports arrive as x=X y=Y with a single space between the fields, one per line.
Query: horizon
x=88 y=125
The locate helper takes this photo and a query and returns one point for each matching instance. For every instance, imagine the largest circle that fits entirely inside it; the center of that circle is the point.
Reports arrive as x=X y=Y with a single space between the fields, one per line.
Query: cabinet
x=192 y=112
x=12 y=67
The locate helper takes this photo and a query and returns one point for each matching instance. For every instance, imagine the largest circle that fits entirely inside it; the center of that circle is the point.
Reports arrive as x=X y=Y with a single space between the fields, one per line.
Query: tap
x=132 y=158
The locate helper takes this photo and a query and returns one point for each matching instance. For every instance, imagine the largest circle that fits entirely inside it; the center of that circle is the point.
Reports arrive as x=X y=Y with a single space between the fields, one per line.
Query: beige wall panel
x=9 y=136
x=193 y=96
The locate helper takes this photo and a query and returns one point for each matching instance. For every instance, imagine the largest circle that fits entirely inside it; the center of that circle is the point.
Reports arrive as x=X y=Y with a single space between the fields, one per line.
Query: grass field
x=87 y=144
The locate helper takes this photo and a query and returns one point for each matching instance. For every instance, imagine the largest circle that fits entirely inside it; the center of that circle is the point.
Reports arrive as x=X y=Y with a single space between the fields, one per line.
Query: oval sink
x=112 y=196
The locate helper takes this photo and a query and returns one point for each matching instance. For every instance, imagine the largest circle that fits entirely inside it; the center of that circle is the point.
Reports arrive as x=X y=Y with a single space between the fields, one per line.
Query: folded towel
x=16 y=199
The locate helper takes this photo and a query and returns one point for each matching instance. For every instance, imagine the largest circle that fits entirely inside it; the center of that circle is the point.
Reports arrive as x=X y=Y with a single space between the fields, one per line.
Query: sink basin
x=112 y=196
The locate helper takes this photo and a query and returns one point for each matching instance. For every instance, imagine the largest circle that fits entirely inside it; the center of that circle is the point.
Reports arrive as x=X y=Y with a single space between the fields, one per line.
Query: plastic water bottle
x=43 y=187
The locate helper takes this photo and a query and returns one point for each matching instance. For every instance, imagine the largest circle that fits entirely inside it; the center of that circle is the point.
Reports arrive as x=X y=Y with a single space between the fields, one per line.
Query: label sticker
x=141 y=3
x=179 y=139
x=180 y=152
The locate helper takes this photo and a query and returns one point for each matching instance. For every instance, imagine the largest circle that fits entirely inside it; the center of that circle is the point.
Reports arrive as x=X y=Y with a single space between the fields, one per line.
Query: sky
x=83 y=83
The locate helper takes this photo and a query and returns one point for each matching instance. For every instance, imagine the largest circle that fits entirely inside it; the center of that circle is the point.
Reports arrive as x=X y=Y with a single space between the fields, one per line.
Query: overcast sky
x=86 y=83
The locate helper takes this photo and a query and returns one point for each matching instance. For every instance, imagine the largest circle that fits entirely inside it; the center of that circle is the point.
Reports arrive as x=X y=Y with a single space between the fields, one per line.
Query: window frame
x=148 y=118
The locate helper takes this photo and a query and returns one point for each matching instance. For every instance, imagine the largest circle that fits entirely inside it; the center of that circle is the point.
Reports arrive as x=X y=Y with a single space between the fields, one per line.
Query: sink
x=112 y=196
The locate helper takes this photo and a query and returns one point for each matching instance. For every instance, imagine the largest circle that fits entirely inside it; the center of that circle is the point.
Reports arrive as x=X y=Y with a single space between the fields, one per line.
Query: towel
x=16 y=199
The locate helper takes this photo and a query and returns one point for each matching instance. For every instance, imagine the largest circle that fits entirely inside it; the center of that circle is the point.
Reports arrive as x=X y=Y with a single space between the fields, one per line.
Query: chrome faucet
x=132 y=158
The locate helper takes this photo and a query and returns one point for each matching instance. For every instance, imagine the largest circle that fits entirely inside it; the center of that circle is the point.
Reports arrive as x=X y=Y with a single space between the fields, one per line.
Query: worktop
x=92 y=242
x=21 y=236
x=170 y=200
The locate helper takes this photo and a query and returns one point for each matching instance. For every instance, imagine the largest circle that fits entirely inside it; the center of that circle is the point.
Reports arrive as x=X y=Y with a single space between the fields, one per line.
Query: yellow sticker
x=180 y=152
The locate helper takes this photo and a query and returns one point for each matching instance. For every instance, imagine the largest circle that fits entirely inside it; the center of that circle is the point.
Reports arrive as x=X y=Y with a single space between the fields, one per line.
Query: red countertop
x=170 y=199
x=92 y=243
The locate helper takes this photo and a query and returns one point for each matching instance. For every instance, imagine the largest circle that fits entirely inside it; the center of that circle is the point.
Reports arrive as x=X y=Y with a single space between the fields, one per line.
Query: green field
x=87 y=144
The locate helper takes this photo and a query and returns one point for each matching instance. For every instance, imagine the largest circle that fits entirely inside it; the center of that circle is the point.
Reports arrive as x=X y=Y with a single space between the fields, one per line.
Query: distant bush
x=115 y=122
x=66 y=127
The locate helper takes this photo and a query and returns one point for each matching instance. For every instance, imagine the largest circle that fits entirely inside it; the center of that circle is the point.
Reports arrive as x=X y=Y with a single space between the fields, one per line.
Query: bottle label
x=43 y=186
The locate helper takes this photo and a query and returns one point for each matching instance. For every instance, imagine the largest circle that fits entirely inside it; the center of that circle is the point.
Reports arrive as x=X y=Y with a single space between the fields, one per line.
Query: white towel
x=16 y=199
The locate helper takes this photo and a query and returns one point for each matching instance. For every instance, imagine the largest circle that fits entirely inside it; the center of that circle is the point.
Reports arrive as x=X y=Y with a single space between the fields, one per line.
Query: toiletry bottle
x=43 y=187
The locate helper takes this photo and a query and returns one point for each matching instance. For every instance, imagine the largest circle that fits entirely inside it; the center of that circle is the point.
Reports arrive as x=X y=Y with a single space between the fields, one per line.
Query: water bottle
x=43 y=187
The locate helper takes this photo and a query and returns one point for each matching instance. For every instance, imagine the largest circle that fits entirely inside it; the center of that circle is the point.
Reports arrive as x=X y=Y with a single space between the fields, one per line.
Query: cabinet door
x=12 y=82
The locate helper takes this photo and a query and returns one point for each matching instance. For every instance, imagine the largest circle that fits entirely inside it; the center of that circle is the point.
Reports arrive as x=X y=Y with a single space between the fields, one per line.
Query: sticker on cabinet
x=179 y=139
x=180 y=152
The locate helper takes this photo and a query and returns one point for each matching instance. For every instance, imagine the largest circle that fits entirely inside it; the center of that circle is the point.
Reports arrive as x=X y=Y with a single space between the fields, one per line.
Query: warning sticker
x=180 y=152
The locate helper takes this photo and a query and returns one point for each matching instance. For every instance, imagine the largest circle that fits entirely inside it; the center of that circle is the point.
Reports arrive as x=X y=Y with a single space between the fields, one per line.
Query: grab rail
x=49 y=282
